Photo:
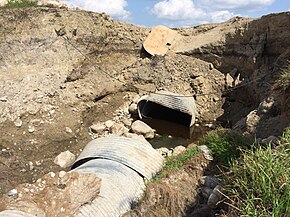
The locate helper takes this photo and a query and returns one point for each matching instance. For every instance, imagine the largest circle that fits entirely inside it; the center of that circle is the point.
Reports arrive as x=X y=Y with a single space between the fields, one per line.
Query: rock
x=133 y=109
x=266 y=105
x=109 y=123
x=31 y=129
x=31 y=167
x=159 y=40
x=163 y=151
x=18 y=122
x=210 y=126
x=3 y=99
x=211 y=67
x=68 y=130
x=65 y=159
x=209 y=181
x=136 y=99
x=206 y=152
x=98 y=128
x=215 y=197
x=51 y=3
x=61 y=195
x=140 y=127
x=119 y=129
x=270 y=140
x=140 y=138
x=12 y=193
x=206 y=192
x=127 y=122
x=178 y=150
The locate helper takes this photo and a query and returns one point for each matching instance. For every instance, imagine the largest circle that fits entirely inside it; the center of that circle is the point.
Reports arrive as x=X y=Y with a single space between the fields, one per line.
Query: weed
x=175 y=162
x=260 y=180
x=225 y=145
x=20 y=4
x=283 y=82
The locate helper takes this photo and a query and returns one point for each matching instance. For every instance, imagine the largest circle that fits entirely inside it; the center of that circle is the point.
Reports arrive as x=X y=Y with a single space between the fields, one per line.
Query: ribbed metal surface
x=135 y=154
x=121 y=187
x=15 y=213
x=173 y=101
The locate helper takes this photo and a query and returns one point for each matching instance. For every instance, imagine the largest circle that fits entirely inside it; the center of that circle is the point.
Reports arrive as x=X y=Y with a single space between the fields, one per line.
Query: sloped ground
x=63 y=69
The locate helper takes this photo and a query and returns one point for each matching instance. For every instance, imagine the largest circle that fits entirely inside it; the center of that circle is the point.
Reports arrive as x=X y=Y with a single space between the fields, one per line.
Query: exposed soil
x=63 y=70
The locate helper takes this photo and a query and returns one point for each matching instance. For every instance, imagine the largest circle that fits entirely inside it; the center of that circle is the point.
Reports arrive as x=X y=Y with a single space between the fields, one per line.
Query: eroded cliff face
x=62 y=68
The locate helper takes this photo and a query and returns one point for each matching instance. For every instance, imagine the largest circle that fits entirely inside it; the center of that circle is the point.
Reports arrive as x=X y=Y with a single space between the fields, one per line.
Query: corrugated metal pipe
x=123 y=164
x=168 y=106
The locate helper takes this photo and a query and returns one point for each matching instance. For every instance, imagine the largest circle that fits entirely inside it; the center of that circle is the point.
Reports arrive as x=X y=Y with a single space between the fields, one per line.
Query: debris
x=140 y=127
x=178 y=150
x=98 y=128
x=159 y=40
x=12 y=193
x=65 y=159
x=18 y=122
x=68 y=130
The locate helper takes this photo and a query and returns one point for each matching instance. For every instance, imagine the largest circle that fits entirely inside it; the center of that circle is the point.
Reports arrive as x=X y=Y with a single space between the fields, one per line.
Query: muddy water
x=170 y=134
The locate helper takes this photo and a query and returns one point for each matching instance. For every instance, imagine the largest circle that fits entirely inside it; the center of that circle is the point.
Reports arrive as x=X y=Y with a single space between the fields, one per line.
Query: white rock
x=133 y=109
x=163 y=151
x=140 y=138
x=68 y=130
x=18 y=122
x=140 y=127
x=12 y=193
x=65 y=159
x=61 y=174
x=178 y=150
x=136 y=99
x=98 y=128
x=109 y=123
x=119 y=129
x=31 y=129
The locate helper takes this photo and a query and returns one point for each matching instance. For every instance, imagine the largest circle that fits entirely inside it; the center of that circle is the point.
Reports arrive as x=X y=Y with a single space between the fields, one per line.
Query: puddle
x=170 y=134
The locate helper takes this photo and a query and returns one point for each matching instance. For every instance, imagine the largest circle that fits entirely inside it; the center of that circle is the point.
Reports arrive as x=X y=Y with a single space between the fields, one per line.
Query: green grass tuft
x=283 y=82
x=20 y=4
x=225 y=145
x=260 y=181
x=176 y=162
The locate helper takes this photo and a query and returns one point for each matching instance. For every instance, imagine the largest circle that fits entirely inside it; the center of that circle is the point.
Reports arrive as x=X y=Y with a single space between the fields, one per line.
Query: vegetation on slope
x=20 y=4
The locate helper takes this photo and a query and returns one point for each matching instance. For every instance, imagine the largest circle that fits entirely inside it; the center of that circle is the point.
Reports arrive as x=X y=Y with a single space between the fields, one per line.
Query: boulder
x=65 y=159
x=139 y=127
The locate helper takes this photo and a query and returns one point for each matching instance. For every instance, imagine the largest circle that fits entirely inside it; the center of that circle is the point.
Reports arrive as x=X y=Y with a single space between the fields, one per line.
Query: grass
x=225 y=145
x=283 y=82
x=19 y=4
x=259 y=183
x=175 y=162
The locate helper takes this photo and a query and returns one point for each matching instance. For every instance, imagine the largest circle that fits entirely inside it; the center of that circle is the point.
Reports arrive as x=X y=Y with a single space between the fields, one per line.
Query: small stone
x=109 y=123
x=52 y=174
x=136 y=99
x=211 y=126
x=215 y=197
x=61 y=174
x=178 y=150
x=98 y=128
x=38 y=163
x=65 y=159
x=209 y=181
x=3 y=99
x=206 y=192
x=68 y=130
x=133 y=109
x=18 y=122
x=36 y=122
x=12 y=193
x=211 y=67
x=163 y=151
x=31 y=167
x=206 y=152
x=119 y=129
x=127 y=122
x=139 y=127
x=31 y=129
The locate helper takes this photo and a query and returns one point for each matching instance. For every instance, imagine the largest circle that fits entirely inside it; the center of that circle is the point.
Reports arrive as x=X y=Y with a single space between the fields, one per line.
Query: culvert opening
x=154 y=110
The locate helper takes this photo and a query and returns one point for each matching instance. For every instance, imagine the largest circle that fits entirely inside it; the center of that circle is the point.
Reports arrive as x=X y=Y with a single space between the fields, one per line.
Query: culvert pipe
x=123 y=164
x=168 y=106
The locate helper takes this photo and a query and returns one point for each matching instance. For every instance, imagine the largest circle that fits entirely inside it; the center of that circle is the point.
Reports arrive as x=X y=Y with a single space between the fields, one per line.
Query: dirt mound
x=62 y=70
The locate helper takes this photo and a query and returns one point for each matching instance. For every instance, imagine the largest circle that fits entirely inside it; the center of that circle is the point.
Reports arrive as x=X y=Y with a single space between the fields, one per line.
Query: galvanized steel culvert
x=168 y=106
x=122 y=164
